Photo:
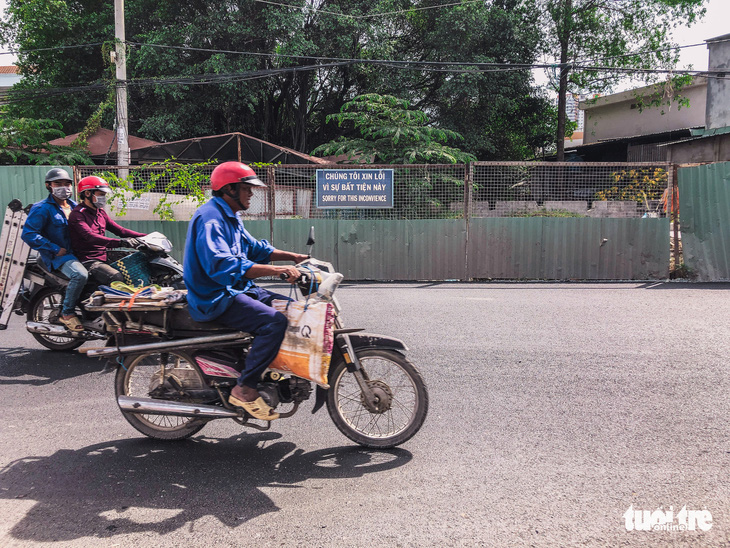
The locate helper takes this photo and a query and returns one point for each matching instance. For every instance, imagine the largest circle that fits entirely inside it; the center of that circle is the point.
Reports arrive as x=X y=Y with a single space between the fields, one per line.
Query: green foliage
x=614 y=35
x=37 y=28
x=499 y=114
x=636 y=185
x=176 y=182
x=388 y=131
x=682 y=271
x=24 y=141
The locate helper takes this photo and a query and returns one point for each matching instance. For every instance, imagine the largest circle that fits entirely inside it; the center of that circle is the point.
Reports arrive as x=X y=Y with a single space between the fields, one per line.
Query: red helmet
x=233 y=172
x=93 y=183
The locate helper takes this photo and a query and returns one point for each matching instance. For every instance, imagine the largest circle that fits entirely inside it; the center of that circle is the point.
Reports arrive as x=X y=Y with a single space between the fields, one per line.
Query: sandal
x=72 y=323
x=258 y=408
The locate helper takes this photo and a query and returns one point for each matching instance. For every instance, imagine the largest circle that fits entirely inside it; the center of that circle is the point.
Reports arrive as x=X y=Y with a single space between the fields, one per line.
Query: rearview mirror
x=310 y=239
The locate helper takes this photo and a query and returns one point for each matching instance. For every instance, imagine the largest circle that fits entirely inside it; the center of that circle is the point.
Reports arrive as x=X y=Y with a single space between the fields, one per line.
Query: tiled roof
x=8 y=69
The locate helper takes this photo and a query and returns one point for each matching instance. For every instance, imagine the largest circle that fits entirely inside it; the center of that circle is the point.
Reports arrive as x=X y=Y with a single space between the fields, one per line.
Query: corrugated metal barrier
x=704 y=209
x=542 y=248
x=520 y=249
x=26 y=183
x=569 y=249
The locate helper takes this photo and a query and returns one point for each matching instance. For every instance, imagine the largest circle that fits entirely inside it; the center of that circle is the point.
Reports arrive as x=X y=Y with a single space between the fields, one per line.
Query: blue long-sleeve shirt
x=46 y=230
x=218 y=253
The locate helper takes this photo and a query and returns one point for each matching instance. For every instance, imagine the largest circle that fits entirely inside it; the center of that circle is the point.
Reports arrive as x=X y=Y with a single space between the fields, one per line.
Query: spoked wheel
x=46 y=308
x=153 y=375
x=402 y=400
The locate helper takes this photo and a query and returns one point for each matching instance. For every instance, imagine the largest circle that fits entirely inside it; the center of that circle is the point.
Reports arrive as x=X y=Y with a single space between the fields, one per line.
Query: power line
x=206 y=79
x=511 y=66
x=455 y=67
x=383 y=14
x=54 y=48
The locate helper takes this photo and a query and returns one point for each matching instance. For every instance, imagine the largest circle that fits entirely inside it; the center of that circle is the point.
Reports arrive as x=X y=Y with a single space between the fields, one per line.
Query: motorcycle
x=42 y=292
x=175 y=375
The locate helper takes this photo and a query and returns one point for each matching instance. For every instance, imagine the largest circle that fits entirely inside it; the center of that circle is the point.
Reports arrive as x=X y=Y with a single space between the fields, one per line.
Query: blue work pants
x=77 y=276
x=251 y=312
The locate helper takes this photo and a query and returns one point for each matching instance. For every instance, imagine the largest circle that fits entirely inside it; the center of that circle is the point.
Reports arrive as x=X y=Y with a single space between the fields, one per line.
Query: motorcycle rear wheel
x=143 y=373
x=404 y=394
x=46 y=308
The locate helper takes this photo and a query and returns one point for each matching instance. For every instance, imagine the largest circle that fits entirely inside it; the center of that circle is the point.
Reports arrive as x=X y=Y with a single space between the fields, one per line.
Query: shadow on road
x=39 y=367
x=685 y=285
x=148 y=486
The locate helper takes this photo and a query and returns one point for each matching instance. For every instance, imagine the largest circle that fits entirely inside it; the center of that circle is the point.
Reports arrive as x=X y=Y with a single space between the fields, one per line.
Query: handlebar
x=303 y=277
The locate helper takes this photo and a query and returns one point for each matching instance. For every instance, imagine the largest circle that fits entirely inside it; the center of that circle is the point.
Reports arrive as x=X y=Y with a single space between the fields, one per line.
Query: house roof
x=632 y=94
x=700 y=134
x=229 y=146
x=719 y=38
x=103 y=142
x=639 y=139
x=8 y=69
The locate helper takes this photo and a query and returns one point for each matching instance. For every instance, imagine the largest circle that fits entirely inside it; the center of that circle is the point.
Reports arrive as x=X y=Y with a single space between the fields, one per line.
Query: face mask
x=99 y=201
x=62 y=192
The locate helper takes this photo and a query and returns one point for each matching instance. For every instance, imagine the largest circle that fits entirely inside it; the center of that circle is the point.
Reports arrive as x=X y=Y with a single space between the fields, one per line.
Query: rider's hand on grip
x=133 y=243
x=290 y=274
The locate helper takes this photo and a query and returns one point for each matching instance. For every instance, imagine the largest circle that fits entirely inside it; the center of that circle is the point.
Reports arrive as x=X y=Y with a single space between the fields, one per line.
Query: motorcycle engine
x=285 y=390
x=270 y=393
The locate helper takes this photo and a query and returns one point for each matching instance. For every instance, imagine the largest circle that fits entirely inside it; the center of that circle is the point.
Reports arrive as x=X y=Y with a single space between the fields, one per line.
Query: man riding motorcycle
x=221 y=261
x=47 y=231
x=88 y=224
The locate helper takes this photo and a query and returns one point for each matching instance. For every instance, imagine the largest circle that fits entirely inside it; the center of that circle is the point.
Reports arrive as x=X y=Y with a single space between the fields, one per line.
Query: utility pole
x=121 y=85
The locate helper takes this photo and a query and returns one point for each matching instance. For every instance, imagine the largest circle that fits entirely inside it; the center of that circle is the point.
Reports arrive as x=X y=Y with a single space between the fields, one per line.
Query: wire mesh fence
x=481 y=189
x=523 y=189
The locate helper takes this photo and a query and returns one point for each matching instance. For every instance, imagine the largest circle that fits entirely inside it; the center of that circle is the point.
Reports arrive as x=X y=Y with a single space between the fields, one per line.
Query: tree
x=39 y=28
x=24 y=141
x=499 y=111
x=388 y=131
x=616 y=34
x=187 y=89
x=299 y=67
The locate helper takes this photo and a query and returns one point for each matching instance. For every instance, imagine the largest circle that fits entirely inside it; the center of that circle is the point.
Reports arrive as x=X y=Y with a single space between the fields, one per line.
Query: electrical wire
x=463 y=67
x=55 y=48
x=382 y=14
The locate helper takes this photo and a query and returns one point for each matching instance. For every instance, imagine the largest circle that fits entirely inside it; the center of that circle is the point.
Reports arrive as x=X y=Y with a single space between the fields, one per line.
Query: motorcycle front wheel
x=151 y=375
x=46 y=308
x=402 y=394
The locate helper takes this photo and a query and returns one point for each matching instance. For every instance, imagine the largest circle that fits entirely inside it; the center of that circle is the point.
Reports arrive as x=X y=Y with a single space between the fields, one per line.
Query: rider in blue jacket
x=46 y=230
x=220 y=263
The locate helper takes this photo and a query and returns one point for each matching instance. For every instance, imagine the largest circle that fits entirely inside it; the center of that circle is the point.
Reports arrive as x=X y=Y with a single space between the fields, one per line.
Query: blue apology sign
x=355 y=188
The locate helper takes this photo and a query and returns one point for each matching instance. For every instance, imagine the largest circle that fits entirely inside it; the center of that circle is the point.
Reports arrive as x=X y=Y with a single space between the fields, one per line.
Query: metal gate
x=704 y=205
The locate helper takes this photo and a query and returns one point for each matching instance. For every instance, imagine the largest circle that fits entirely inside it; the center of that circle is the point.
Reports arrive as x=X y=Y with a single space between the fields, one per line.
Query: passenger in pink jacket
x=88 y=224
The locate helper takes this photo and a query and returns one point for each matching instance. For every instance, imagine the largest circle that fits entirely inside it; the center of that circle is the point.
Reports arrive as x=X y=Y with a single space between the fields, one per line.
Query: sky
x=715 y=23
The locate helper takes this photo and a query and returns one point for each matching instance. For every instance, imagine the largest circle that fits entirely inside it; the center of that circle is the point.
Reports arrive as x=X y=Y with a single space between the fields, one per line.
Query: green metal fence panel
x=402 y=250
x=176 y=231
x=382 y=250
x=291 y=235
x=498 y=248
x=704 y=209
x=24 y=183
x=568 y=249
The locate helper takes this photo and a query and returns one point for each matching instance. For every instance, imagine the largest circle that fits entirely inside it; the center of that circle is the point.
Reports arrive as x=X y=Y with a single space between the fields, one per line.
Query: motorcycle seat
x=180 y=322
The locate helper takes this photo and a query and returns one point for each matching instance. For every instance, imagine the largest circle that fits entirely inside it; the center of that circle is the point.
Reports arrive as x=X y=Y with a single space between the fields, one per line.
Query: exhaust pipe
x=55 y=330
x=149 y=406
x=49 y=329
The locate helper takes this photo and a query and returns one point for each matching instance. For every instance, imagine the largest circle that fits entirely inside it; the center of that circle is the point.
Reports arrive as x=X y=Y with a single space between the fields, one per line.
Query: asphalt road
x=555 y=409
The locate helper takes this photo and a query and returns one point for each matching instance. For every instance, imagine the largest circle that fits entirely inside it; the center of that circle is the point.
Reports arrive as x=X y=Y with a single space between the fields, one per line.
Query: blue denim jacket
x=46 y=230
x=218 y=253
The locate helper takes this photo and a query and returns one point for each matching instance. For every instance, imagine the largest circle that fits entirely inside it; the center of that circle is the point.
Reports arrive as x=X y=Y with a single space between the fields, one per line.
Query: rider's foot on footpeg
x=258 y=408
